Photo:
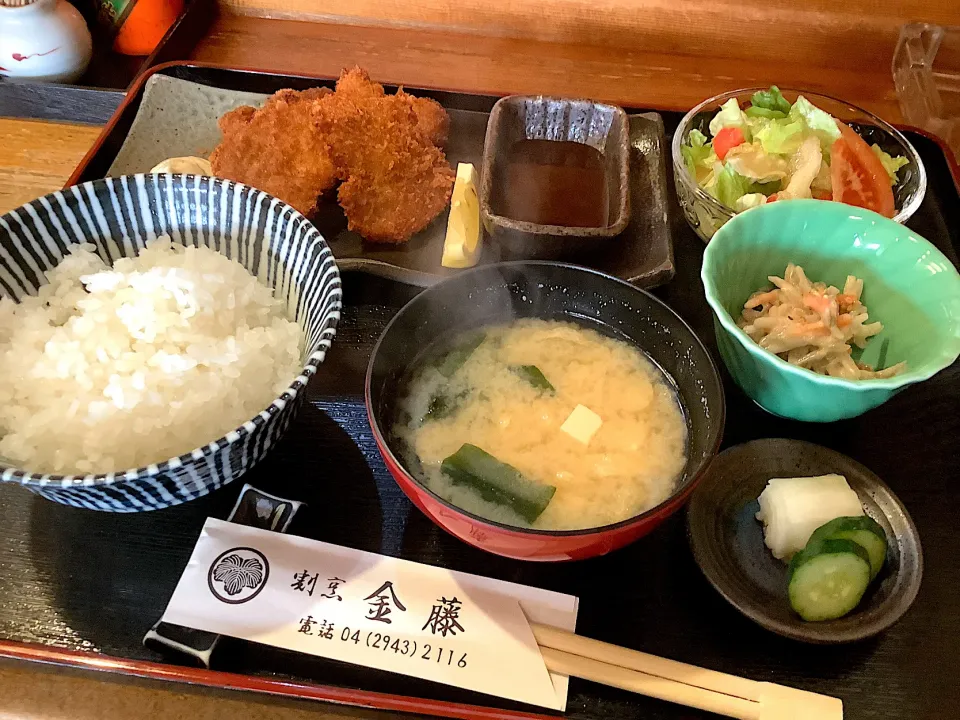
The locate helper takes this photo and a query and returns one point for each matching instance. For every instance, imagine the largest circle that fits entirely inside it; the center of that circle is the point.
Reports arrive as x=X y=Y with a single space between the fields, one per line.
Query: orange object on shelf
x=146 y=25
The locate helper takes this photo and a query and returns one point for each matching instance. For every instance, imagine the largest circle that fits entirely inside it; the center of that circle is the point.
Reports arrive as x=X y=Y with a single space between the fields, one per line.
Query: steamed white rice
x=109 y=369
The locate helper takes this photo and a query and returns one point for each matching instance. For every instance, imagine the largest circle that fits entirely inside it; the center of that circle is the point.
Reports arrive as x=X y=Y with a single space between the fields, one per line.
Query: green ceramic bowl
x=908 y=285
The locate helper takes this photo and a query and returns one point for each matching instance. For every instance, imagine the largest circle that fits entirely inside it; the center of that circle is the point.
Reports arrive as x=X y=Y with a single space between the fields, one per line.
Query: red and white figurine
x=43 y=41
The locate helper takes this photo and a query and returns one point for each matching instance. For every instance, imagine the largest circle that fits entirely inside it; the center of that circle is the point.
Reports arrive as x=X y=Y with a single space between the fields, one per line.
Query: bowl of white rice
x=157 y=334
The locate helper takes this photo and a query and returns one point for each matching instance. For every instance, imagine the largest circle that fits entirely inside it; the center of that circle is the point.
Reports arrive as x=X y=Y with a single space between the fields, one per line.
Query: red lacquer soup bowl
x=498 y=294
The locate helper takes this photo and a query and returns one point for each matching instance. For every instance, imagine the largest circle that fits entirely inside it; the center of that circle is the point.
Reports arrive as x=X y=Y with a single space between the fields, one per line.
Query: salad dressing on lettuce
x=774 y=150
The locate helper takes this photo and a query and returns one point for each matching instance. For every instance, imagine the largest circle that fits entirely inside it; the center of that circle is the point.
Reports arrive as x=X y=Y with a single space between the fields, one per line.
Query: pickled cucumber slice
x=828 y=579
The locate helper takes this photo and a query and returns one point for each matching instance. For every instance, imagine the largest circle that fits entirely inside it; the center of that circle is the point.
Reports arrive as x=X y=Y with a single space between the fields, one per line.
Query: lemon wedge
x=461 y=247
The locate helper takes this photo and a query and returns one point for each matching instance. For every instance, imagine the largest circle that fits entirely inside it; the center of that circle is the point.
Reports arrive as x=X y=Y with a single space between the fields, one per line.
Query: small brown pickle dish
x=555 y=178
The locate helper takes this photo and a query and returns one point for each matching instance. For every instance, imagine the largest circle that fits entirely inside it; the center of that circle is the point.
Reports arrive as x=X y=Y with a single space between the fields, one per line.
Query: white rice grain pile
x=114 y=368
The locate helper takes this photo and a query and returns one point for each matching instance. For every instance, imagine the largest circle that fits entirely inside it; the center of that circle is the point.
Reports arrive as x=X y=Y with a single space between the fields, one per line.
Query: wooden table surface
x=37 y=157
x=444 y=59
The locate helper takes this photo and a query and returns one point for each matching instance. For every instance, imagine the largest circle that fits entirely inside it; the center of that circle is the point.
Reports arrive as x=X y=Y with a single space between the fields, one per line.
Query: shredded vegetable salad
x=813 y=325
x=774 y=150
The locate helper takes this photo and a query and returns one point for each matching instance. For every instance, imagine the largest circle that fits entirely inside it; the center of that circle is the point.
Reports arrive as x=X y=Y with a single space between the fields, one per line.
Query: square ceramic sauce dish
x=555 y=180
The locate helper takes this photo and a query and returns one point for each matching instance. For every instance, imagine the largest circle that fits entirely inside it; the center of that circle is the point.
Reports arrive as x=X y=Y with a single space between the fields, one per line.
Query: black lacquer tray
x=81 y=588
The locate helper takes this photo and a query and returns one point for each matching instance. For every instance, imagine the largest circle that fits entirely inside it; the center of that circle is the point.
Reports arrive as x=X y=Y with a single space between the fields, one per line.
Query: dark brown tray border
x=941 y=143
x=80 y=660
x=290 y=689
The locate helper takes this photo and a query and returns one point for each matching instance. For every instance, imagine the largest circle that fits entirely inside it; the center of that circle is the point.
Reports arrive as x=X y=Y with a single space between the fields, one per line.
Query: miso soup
x=543 y=424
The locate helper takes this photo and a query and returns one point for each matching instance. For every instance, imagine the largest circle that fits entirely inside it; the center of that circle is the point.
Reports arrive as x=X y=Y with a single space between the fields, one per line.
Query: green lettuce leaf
x=818 y=122
x=771 y=99
x=890 y=164
x=728 y=186
x=782 y=137
x=754 y=112
x=695 y=151
x=730 y=115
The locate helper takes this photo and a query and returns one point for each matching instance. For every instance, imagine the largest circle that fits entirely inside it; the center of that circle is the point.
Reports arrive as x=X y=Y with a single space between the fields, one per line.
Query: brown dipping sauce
x=553 y=182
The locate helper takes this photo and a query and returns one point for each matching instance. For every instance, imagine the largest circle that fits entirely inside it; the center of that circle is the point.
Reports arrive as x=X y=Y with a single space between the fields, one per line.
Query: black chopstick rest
x=254 y=508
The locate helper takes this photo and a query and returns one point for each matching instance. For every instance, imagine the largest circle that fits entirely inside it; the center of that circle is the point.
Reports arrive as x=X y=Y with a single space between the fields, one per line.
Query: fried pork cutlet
x=277 y=149
x=355 y=85
x=395 y=180
x=432 y=120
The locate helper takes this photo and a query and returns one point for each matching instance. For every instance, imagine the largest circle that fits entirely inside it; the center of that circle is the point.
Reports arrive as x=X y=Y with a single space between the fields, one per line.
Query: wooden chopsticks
x=568 y=664
x=716 y=692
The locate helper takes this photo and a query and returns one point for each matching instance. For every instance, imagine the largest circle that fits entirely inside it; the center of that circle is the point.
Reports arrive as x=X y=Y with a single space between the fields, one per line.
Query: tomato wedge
x=727 y=139
x=858 y=176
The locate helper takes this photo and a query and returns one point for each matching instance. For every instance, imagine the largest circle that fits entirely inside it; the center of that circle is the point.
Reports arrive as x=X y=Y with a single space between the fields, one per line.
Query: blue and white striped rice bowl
x=119 y=216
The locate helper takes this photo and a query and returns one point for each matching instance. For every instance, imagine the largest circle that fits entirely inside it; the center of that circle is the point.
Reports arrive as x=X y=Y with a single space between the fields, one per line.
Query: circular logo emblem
x=238 y=575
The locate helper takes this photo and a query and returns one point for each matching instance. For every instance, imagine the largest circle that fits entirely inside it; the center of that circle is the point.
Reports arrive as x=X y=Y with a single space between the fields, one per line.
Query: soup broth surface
x=629 y=465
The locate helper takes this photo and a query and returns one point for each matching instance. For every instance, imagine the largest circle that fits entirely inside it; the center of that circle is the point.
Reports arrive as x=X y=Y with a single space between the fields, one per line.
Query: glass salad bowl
x=706 y=214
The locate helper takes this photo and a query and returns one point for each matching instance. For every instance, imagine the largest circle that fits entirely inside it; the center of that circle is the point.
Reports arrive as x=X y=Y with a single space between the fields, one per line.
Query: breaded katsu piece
x=356 y=85
x=383 y=147
x=432 y=119
x=395 y=180
x=277 y=149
